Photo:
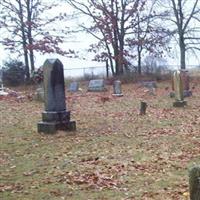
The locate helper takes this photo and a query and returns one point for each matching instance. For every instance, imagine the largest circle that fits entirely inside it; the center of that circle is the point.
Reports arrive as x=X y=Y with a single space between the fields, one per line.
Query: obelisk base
x=53 y=121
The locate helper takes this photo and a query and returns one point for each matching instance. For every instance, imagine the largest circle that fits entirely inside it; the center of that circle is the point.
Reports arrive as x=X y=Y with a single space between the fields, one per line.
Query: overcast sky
x=80 y=42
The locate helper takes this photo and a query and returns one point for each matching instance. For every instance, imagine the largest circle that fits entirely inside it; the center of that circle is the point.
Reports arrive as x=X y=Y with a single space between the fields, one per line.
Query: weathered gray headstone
x=117 y=90
x=97 y=85
x=194 y=183
x=73 y=87
x=55 y=117
x=178 y=87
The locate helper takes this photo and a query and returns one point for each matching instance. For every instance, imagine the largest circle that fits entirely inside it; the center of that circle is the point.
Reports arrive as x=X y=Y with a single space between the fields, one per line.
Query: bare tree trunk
x=182 y=21
x=139 y=47
x=110 y=59
x=139 y=60
x=182 y=52
x=24 y=42
x=29 y=34
x=31 y=56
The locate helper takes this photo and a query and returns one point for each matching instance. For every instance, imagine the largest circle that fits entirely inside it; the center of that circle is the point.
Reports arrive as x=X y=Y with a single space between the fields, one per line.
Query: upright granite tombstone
x=178 y=87
x=55 y=117
x=97 y=85
x=117 y=90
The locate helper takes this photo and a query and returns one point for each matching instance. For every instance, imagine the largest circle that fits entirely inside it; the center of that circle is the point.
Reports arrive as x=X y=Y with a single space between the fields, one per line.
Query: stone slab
x=2 y=93
x=149 y=84
x=97 y=85
x=52 y=127
x=117 y=95
x=56 y=116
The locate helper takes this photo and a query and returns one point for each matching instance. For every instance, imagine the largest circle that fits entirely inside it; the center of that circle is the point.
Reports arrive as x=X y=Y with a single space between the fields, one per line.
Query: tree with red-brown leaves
x=27 y=26
x=121 y=26
x=112 y=22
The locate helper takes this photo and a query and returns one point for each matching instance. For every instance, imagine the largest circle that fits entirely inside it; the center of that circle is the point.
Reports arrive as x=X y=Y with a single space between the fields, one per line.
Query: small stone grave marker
x=143 y=107
x=117 y=90
x=55 y=117
x=73 y=87
x=194 y=183
x=97 y=85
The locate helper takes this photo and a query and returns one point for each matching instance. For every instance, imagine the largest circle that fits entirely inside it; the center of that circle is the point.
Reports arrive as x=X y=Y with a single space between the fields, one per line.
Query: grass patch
x=115 y=153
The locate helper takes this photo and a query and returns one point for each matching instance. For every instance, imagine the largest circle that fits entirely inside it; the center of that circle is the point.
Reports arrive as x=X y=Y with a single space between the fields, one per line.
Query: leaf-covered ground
x=114 y=154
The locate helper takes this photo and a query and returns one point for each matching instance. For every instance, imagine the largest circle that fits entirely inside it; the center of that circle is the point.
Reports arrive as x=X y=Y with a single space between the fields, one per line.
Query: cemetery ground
x=114 y=154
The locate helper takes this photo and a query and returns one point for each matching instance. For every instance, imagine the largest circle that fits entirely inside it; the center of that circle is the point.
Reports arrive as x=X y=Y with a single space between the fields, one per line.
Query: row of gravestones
x=57 y=117
x=98 y=86
x=180 y=85
x=94 y=86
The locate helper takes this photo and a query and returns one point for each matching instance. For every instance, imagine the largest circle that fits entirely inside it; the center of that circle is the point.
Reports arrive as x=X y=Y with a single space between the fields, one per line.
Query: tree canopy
x=29 y=26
